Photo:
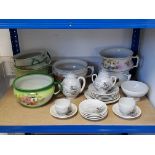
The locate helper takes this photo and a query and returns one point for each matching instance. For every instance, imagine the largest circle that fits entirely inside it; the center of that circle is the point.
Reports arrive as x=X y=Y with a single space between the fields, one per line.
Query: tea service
x=103 y=90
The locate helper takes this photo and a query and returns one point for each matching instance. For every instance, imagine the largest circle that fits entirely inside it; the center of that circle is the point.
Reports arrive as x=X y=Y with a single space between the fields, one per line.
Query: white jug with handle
x=72 y=85
x=103 y=81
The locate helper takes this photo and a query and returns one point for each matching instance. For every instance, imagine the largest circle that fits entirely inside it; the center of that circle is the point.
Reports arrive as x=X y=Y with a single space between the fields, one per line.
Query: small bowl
x=134 y=89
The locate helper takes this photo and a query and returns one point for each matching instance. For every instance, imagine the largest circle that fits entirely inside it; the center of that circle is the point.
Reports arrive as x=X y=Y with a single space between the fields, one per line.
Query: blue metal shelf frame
x=79 y=129
x=134 y=24
x=76 y=23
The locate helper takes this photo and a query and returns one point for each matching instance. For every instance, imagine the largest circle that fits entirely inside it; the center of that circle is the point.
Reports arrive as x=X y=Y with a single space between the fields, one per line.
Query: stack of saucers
x=108 y=97
x=93 y=109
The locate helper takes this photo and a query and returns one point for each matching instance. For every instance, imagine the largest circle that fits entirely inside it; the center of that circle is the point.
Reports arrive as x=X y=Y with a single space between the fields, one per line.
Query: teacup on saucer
x=126 y=105
x=71 y=113
x=62 y=106
x=133 y=115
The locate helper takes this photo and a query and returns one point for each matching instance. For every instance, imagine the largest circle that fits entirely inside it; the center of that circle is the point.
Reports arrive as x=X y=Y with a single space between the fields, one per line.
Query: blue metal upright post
x=135 y=47
x=14 y=41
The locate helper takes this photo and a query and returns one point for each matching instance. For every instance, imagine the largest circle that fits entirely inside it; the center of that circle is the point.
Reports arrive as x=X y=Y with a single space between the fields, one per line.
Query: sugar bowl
x=103 y=81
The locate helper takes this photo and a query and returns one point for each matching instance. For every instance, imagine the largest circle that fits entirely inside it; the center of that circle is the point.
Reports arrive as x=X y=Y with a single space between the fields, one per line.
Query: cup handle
x=91 y=68
x=114 y=78
x=136 y=57
x=84 y=82
x=92 y=77
x=59 y=86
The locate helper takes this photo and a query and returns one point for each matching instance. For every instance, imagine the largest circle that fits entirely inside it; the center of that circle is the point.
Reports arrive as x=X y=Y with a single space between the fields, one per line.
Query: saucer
x=112 y=91
x=68 y=115
x=94 y=117
x=89 y=109
x=87 y=96
x=137 y=112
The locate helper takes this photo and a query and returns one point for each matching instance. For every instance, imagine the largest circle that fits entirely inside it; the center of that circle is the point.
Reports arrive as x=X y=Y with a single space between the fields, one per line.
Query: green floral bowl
x=34 y=90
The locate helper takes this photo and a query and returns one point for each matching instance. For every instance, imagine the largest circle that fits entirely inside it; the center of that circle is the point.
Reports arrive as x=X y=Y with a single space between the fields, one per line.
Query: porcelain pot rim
x=37 y=89
x=110 y=53
x=65 y=61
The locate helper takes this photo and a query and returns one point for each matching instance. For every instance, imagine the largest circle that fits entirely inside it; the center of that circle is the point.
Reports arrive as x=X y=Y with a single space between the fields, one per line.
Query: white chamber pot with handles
x=118 y=59
x=76 y=66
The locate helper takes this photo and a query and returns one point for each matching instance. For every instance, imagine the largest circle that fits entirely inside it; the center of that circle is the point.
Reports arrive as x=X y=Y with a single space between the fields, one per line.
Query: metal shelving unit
x=76 y=23
x=135 y=24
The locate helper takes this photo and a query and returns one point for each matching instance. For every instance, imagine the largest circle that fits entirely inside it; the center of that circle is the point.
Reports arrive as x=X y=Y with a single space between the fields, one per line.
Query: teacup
x=126 y=105
x=62 y=106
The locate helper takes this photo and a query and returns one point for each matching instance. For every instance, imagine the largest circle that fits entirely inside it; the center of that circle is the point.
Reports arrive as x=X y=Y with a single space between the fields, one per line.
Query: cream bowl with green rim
x=34 y=90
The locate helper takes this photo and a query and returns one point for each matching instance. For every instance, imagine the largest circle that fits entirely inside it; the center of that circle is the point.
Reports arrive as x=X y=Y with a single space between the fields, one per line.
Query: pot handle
x=35 y=61
x=45 y=54
x=136 y=57
x=91 y=68
x=129 y=76
x=92 y=77
x=48 y=54
x=59 y=86
x=84 y=82
x=114 y=78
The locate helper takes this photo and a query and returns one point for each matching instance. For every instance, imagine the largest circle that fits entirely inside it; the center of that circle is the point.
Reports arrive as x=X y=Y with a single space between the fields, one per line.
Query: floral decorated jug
x=103 y=81
x=72 y=85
